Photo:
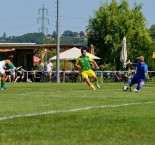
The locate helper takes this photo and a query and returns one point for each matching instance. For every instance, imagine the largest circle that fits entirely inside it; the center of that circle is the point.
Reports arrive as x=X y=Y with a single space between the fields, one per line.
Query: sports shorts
x=2 y=71
x=137 y=80
x=88 y=73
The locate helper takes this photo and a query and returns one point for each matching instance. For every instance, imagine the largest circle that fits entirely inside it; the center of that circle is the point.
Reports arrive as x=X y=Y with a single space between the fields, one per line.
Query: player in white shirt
x=3 y=64
x=49 y=68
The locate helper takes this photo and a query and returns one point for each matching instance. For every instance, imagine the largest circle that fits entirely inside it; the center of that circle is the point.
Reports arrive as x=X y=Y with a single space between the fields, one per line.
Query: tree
x=81 y=34
x=54 y=35
x=75 y=34
x=68 y=33
x=152 y=48
x=111 y=23
x=4 y=35
x=37 y=38
x=152 y=33
x=71 y=41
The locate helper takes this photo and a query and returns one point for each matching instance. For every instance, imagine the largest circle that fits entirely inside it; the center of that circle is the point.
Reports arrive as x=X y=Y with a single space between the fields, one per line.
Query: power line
x=43 y=11
x=78 y=18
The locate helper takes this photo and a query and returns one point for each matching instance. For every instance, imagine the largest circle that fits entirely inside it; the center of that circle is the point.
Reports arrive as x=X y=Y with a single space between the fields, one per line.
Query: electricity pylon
x=43 y=18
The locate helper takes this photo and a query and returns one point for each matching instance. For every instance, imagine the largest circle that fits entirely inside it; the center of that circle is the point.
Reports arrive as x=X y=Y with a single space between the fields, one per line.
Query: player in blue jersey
x=141 y=73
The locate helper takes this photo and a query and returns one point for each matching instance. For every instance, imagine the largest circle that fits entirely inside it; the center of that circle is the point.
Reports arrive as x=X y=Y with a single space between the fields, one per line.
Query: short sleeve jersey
x=84 y=62
x=49 y=67
x=40 y=66
x=141 y=70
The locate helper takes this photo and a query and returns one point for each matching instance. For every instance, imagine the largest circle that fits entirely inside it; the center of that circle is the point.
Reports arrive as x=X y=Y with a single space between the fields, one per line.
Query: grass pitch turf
x=73 y=114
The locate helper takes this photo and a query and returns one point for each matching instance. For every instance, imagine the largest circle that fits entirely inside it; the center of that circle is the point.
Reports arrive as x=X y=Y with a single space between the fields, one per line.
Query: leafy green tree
x=51 y=41
x=67 y=40
x=72 y=40
x=111 y=23
x=81 y=34
x=4 y=35
x=152 y=33
x=151 y=61
x=75 y=34
x=37 y=38
x=68 y=33
x=54 y=35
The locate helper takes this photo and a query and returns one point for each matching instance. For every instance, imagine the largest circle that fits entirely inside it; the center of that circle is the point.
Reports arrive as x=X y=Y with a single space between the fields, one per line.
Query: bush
x=105 y=67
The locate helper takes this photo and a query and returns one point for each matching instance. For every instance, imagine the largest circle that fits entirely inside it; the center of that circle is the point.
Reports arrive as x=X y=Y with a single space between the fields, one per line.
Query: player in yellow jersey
x=83 y=64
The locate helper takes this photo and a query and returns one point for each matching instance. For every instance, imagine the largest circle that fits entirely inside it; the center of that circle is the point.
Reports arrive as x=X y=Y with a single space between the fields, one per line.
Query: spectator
x=13 y=75
x=49 y=68
x=8 y=76
x=73 y=75
x=34 y=76
x=40 y=68
x=20 y=74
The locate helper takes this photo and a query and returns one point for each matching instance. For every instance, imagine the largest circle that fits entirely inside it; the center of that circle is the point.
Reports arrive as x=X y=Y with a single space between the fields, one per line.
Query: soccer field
x=73 y=114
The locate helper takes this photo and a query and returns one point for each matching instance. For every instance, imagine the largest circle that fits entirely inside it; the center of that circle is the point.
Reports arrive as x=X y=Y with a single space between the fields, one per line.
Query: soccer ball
x=125 y=88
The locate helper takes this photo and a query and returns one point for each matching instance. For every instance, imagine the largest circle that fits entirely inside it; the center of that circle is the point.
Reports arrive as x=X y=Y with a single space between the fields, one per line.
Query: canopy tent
x=35 y=59
x=72 y=54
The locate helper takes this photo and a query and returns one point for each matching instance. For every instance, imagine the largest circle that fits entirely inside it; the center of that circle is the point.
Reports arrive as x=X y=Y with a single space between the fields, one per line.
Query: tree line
x=68 y=37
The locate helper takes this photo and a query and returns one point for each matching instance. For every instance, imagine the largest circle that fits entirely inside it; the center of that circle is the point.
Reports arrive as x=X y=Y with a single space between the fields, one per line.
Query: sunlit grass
x=132 y=124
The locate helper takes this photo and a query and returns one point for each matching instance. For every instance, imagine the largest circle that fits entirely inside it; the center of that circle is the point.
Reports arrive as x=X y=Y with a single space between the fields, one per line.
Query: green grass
x=132 y=124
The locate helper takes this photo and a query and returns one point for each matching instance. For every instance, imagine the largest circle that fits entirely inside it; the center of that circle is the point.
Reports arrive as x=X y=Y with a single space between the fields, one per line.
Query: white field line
x=72 y=110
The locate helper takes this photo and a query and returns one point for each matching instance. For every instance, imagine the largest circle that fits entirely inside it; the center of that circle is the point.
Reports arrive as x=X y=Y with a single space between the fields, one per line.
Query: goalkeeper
x=141 y=73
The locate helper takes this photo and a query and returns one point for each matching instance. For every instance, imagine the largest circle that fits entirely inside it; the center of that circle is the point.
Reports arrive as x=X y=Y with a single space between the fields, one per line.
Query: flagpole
x=58 y=45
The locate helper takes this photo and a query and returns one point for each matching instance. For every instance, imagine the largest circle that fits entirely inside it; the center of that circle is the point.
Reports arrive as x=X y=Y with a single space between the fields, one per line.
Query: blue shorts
x=137 y=80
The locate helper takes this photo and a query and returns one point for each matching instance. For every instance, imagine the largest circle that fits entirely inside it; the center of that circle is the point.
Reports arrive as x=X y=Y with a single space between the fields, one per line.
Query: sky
x=18 y=17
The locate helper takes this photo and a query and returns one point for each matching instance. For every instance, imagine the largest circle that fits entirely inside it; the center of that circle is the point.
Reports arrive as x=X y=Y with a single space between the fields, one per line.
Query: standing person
x=141 y=73
x=40 y=68
x=49 y=67
x=83 y=64
x=2 y=71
